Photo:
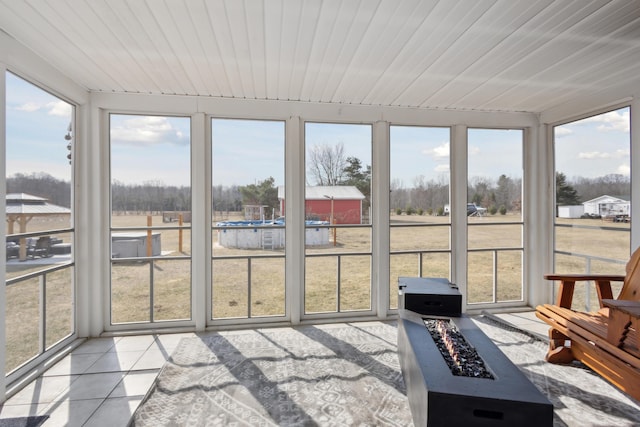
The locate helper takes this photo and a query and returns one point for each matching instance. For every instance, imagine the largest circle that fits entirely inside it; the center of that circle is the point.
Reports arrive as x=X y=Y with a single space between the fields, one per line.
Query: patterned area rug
x=343 y=375
x=338 y=375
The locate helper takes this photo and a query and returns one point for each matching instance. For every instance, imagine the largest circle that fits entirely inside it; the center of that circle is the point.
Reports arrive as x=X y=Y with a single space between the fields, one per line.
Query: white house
x=608 y=205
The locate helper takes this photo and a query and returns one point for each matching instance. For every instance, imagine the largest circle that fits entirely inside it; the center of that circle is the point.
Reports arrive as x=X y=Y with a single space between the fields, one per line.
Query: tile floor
x=102 y=382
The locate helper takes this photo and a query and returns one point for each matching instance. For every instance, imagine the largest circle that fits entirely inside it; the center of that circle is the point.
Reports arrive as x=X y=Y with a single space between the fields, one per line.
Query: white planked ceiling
x=498 y=55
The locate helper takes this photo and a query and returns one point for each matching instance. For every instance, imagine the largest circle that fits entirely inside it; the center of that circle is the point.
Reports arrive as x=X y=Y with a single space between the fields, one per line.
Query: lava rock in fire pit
x=460 y=356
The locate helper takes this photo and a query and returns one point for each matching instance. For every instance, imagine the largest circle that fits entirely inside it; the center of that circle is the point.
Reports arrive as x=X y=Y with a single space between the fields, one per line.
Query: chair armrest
x=585 y=277
x=568 y=281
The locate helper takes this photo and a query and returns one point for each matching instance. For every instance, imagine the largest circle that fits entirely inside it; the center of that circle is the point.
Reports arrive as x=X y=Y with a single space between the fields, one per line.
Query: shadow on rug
x=315 y=375
x=343 y=375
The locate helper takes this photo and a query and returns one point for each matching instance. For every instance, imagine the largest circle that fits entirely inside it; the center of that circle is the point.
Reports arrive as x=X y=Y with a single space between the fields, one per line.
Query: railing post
x=338 y=287
x=43 y=311
x=249 y=287
x=587 y=297
x=151 y=296
x=495 y=277
x=149 y=246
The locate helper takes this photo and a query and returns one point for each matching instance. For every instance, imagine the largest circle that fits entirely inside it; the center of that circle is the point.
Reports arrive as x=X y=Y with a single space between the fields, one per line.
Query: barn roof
x=337 y=192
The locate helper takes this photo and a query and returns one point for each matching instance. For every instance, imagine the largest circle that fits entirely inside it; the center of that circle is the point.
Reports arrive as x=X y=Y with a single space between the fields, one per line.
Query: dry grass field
x=131 y=290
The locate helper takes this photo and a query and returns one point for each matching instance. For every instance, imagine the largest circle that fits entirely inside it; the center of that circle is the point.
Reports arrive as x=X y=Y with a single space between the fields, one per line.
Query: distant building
x=570 y=211
x=346 y=201
x=608 y=206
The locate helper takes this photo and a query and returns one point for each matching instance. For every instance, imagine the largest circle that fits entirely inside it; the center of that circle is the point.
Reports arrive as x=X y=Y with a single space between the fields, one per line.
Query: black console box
x=429 y=295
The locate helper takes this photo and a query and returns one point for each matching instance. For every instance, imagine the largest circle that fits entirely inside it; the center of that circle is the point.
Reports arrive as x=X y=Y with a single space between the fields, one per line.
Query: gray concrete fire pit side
x=439 y=398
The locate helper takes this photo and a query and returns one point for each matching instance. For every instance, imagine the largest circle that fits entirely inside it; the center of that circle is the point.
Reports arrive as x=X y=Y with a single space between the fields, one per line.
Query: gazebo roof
x=27 y=204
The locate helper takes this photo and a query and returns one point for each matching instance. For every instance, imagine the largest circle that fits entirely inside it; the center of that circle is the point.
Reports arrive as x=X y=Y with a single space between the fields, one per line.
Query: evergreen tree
x=263 y=193
x=565 y=193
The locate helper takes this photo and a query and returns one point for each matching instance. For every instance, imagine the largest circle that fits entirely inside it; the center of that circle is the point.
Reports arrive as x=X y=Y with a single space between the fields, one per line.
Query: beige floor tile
x=73 y=364
x=134 y=343
x=26 y=410
x=114 y=412
x=71 y=413
x=151 y=359
x=115 y=362
x=96 y=345
x=94 y=386
x=135 y=383
x=43 y=390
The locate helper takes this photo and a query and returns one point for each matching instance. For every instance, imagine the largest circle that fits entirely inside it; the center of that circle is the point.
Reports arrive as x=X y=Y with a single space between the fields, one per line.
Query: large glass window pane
x=22 y=322
x=150 y=218
x=337 y=215
x=248 y=229
x=494 y=216
x=593 y=199
x=59 y=303
x=39 y=221
x=419 y=202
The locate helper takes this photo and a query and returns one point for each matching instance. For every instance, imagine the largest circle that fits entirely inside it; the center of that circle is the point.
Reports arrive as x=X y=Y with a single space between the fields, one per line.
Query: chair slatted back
x=631 y=288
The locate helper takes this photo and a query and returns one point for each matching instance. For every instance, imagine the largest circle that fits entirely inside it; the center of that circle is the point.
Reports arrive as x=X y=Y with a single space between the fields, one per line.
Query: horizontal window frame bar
x=153 y=227
x=591 y=257
x=147 y=259
x=15 y=280
x=40 y=233
x=593 y=227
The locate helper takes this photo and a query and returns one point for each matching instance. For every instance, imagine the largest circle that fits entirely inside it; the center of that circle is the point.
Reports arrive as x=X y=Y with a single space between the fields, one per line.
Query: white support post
x=96 y=172
x=86 y=222
x=3 y=233
x=294 y=214
x=458 y=209
x=200 y=220
x=380 y=222
x=537 y=212
x=634 y=118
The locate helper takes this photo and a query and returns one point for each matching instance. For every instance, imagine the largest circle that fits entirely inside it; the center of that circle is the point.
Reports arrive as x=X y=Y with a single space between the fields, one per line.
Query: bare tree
x=327 y=164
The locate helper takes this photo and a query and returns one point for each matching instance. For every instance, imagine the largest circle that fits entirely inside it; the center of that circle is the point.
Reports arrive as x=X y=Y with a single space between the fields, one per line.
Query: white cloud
x=55 y=108
x=561 y=131
x=618 y=154
x=143 y=130
x=611 y=121
x=624 y=170
x=29 y=107
x=594 y=155
x=59 y=108
x=442 y=168
x=439 y=152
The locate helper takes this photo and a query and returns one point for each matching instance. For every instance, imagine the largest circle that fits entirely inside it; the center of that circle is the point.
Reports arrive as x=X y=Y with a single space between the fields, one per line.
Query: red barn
x=344 y=201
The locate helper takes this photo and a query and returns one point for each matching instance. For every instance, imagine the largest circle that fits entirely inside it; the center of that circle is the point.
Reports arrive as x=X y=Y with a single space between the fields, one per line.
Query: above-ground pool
x=259 y=234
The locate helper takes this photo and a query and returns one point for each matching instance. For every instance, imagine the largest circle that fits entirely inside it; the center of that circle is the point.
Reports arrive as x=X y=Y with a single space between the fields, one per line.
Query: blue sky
x=151 y=148
x=595 y=146
x=36 y=125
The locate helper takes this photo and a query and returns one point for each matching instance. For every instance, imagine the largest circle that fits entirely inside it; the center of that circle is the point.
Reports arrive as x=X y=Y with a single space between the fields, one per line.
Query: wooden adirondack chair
x=605 y=340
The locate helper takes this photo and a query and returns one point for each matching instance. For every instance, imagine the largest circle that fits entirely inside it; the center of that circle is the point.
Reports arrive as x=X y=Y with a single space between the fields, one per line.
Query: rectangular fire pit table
x=437 y=397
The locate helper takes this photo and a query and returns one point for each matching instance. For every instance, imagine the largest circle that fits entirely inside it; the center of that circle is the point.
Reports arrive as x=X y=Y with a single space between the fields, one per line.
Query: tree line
x=424 y=196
